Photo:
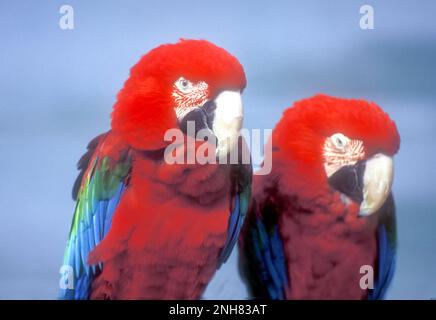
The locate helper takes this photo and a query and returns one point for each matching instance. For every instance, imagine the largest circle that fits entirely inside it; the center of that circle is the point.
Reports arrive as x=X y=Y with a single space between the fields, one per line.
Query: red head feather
x=299 y=136
x=144 y=107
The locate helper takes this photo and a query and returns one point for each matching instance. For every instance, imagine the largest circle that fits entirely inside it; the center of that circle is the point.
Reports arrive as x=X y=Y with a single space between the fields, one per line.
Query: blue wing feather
x=97 y=200
x=270 y=258
x=386 y=265
x=237 y=216
x=232 y=234
x=387 y=243
x=87 y=238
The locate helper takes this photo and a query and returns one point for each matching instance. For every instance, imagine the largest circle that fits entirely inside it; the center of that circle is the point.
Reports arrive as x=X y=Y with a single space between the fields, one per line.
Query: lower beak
x=368 y=183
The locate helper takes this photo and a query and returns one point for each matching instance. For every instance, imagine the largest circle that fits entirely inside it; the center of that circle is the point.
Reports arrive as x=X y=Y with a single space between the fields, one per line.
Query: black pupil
x=184 y=83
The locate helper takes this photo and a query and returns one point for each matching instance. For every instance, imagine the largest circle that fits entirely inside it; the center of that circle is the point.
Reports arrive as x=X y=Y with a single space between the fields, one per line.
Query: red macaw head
x=342 y=144
x=192 y=80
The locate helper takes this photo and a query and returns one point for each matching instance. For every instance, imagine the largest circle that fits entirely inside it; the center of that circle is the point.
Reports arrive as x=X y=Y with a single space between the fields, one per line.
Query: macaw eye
x=183 y=85
x=339 y=140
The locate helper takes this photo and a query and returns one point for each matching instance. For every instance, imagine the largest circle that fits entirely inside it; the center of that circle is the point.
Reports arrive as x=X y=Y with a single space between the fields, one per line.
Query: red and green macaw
x=326 y=210
x=144 y=228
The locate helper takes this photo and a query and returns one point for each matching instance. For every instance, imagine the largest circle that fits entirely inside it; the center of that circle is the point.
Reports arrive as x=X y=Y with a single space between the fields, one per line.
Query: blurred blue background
x=57 y=88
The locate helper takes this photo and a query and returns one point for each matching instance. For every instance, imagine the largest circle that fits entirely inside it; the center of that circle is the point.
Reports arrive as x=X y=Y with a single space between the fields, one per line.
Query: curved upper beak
x=377 y=183
x=227 y=121
x=368 y=183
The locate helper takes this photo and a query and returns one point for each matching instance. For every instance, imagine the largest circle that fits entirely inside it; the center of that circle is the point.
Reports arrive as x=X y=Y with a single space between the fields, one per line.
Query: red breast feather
x=166 y=234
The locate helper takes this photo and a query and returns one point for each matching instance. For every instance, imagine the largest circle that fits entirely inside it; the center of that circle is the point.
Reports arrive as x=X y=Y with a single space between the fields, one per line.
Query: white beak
x=228 y=121
x=377 y=183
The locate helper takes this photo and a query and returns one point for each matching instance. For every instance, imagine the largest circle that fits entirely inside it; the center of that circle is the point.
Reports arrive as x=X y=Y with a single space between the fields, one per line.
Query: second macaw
x=144 y=228
x=322 y=224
